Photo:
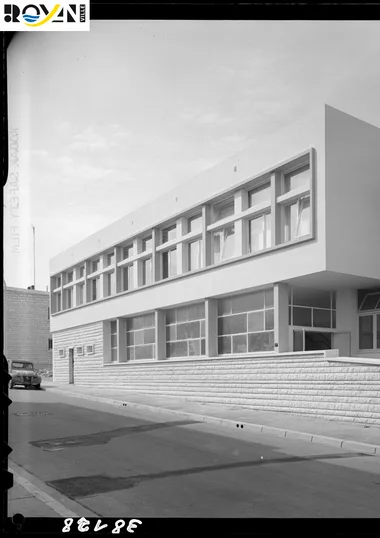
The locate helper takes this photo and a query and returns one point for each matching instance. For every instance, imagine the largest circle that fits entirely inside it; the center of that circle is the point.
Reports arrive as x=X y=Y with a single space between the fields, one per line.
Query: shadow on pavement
x=84 y=486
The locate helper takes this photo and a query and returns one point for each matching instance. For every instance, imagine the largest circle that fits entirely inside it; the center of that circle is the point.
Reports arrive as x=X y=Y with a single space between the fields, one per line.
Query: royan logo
x=32 y=15
x=37 y=15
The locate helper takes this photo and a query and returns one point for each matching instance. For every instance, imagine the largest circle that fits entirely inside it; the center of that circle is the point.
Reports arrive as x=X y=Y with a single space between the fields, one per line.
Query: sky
x=102 y=122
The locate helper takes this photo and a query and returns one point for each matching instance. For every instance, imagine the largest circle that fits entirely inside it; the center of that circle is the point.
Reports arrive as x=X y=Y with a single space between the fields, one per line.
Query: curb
x=64 y=507
x=373 y=450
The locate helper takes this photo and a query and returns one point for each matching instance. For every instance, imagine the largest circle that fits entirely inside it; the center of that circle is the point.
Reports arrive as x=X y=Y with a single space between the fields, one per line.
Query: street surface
x=118 y=462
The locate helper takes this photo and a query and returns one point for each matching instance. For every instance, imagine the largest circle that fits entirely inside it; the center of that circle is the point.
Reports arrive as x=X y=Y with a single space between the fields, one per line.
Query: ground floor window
x=246 y=323
x=369 y=331
x=185 y=331
x=113 y=341
x=141 y=337
x=312 y=308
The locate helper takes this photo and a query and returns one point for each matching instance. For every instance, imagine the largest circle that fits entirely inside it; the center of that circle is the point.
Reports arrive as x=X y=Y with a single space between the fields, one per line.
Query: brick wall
x=306 y=385
x=28 y=327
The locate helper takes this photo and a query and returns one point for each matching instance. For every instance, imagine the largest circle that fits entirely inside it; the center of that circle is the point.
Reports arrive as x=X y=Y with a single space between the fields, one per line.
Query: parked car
x=23 y=373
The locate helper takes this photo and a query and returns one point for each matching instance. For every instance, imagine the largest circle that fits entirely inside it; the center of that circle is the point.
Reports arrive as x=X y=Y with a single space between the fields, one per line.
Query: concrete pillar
x=136 y=264
x=181 y=225
x=156 y=257
x=241 y=226
x=347 y=323
x=206 y=236
x=160 y=327
x=276 y=209
x=118 y=253
x=106 y=341
x=211 y=311
x=121 y=340
x=281 y=318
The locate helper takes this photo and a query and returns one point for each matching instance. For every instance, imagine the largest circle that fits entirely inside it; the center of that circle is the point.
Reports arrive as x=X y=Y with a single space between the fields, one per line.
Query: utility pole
x=34 y=256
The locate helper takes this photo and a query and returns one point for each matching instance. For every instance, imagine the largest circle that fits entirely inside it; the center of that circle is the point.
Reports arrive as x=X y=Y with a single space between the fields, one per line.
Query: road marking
x=59 y=508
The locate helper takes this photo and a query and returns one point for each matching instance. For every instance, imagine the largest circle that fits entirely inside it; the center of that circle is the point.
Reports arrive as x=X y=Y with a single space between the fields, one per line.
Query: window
x=260 y=233
x=168 y=234
x=95 y=266
x=141 y=337
x=194 y=224
x=80 y=350
x=110 y=258
x=58 y=282
x=113 y=341
x=246 y=323
x=223 y=210
x=169 y=263
x=127 y=252
x=50 y=344
x=297 y=219
x=81 y=271
x=297 y=178
x=90 y=349
x=195 y=255
x=146 y=244
x=95 y=289
x=224 y=244
x=80 y=294
x=185 y=331
x=369 y=324
x=58 y=303
x=312 y=308
x=128 y=278
x=70 y=276
x=110 y=289
x=147 y=272
x=61 y=353
x=259 y=195
x=371 y=302
x=366 y=332
x=69 y=298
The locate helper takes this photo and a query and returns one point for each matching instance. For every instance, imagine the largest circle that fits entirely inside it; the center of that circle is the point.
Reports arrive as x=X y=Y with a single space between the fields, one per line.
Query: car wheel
x=37 y=387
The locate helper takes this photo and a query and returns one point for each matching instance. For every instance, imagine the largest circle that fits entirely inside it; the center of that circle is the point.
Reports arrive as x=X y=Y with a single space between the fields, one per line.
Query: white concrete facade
x=298 y=284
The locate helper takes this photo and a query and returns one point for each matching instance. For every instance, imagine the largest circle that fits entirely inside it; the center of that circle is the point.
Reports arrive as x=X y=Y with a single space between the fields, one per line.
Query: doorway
x=316 y=341
x=71 y=366
x=304 y=340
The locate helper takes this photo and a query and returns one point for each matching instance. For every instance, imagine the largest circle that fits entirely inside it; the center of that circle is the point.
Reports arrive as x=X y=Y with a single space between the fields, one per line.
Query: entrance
x=304 y=340
x=71 y=365
x=316 y=341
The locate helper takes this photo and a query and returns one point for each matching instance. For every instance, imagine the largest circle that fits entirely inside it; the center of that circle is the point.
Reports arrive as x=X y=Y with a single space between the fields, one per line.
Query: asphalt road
x=118 y=461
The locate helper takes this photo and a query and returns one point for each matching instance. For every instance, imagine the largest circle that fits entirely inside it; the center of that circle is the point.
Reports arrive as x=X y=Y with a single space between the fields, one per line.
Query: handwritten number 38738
x=83 y=525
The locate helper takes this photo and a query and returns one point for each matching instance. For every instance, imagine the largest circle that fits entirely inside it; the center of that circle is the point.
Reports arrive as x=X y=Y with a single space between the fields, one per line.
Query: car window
x=22 y=366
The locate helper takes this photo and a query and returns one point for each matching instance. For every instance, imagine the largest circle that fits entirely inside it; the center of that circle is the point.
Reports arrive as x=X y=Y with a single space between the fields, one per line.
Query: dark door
x=71 y=365
x=315 y=341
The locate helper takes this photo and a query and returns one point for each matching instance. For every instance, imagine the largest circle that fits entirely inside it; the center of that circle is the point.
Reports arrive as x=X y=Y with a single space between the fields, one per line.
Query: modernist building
x=27 y=326
x=274 y=252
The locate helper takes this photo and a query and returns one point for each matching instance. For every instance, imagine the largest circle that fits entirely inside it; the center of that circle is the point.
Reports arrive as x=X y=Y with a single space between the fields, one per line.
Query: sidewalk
x=350 y=436
x=31 y=497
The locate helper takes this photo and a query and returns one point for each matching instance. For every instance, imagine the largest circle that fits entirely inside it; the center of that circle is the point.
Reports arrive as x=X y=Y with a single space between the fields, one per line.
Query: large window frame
x=313 y=310
x=113 y=330
x=223 y=234
x=248 y=316
x=167 y=257
x=370 y=309
x=266 y=231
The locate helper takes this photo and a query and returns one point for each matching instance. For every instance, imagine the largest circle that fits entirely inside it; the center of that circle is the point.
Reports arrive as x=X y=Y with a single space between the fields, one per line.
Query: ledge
x=263 y=355
x=356 y=360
